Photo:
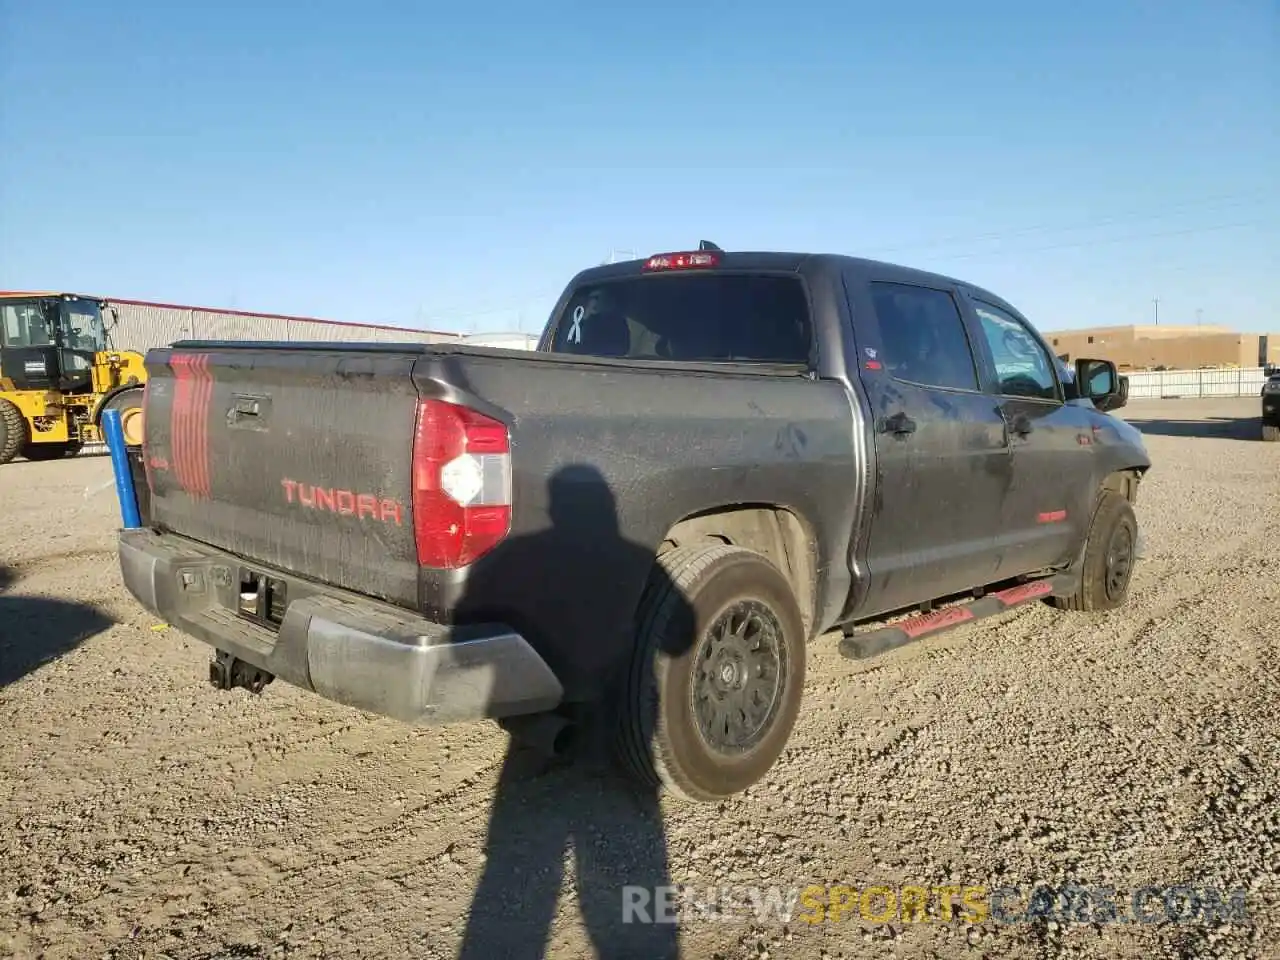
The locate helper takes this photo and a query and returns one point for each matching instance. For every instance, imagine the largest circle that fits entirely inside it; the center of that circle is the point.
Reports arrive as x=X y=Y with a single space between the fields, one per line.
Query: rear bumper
x=346 y=648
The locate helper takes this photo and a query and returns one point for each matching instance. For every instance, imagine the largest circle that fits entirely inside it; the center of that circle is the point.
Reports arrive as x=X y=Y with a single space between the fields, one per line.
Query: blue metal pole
x=125 y=492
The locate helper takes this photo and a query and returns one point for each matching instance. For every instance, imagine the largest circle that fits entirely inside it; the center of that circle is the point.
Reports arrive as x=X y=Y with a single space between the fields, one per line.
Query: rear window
x=689 y=316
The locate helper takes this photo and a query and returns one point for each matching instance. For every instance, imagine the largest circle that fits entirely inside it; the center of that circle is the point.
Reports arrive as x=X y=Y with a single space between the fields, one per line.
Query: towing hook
x=227 y=672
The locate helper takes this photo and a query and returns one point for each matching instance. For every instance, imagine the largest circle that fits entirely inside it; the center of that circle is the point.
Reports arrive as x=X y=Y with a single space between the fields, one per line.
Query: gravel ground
x=143 y=814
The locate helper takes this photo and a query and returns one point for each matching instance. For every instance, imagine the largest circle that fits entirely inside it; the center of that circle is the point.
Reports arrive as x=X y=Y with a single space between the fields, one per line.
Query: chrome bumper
x=346 y=648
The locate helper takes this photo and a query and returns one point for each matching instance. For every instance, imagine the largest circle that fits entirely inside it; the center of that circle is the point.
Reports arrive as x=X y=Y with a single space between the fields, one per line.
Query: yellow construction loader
x=58 y=376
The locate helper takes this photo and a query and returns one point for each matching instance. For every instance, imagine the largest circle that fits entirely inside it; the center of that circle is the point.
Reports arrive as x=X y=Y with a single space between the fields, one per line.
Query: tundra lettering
x=343 y=502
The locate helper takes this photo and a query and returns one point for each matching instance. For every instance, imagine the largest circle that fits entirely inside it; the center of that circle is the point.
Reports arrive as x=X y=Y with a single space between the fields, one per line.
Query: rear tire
x=1271 y=432
x=1110 y=553
x=13 y=431
x=717 y=674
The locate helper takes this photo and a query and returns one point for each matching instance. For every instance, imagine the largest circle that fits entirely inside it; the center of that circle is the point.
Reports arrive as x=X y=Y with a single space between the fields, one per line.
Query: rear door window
x=923 y=337
x=692 y=316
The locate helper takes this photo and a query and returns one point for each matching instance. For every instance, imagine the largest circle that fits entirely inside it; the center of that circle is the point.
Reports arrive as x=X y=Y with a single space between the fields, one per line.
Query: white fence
x=1168 y=384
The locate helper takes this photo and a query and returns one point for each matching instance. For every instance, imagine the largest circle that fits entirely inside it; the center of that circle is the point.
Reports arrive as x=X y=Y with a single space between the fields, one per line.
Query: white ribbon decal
x=575 y=331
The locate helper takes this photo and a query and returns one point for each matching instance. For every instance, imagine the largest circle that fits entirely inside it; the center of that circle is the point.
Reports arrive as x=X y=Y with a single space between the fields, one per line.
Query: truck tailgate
x=295 y=458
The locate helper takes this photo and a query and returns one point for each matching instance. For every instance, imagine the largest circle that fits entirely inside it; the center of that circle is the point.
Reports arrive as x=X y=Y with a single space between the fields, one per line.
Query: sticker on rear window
x=575 y=330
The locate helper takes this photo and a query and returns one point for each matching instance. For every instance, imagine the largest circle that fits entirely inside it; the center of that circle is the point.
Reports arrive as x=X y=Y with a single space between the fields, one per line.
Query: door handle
x=248 y=411
x=1020 y=425
x=243 y=410
x=900 y=425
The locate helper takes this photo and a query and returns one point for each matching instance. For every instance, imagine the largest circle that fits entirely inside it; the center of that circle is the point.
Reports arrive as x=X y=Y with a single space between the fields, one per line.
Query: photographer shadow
x=577 y=807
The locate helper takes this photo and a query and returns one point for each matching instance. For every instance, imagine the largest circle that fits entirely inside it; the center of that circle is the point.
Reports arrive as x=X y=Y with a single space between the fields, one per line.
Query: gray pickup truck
x=1271 y=406
x=710 y=460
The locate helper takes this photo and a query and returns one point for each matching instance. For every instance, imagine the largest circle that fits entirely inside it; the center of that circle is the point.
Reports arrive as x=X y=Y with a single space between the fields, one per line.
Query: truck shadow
x=1213 y=428
x=569 y=576
x=37 y=630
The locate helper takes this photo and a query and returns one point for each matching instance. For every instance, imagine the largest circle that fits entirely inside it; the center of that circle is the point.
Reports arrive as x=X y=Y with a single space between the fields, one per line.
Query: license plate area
x=261 y=598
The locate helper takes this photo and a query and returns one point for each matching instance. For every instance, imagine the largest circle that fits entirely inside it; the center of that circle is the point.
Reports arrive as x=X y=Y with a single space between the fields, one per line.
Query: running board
x=861 y=646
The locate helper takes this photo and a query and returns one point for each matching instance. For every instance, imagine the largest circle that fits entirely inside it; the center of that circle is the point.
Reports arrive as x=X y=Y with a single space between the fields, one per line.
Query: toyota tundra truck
x=711 y=460
x=1271 y=407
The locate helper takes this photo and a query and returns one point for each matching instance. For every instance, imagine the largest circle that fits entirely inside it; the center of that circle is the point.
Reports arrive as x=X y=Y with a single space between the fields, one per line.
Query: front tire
x=1271 y=432
x=13 y=431
x=717 y=674
x=1110 y=553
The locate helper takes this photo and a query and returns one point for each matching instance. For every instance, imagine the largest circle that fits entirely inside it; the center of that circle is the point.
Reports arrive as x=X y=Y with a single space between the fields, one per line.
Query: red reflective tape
x=179 y=419
x=1024 y=591
x=189 y=422
x=1052 y=516
x=928 y=622
x=173 y=416
x=202 y=426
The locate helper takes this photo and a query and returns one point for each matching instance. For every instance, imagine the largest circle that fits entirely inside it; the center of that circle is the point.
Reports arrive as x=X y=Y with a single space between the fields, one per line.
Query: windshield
x=34 y=323
x=25 y=324
x=82 y=325
x=698 y=317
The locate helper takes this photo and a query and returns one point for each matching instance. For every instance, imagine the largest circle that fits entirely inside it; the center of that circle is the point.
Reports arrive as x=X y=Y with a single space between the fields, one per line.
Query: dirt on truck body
x=711 y=459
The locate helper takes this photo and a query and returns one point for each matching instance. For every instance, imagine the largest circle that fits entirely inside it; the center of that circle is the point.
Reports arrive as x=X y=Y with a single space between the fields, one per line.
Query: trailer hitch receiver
x=227 y=672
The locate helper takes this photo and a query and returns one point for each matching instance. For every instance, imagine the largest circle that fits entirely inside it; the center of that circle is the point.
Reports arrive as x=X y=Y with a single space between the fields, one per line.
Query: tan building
x=1170 y=347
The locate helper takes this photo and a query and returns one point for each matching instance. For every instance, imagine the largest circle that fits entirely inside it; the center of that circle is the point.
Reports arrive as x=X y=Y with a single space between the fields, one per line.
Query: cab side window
x=1023 y=368
x=923 y=336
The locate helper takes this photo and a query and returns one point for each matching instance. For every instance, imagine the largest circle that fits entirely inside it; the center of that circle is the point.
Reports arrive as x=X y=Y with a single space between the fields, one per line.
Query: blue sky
x=428 y=164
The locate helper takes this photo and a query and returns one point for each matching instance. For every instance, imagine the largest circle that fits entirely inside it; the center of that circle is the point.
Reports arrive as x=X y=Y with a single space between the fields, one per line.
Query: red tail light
x=682 y=261
x=461 y=484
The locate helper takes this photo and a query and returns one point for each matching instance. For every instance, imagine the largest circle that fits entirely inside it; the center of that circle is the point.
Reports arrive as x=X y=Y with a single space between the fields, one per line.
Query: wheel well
x=1125 y=482
x=774 y=532
x=111 y=395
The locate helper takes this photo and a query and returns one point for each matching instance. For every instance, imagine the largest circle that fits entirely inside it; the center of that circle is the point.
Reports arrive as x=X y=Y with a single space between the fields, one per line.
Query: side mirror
x=1099 y=381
